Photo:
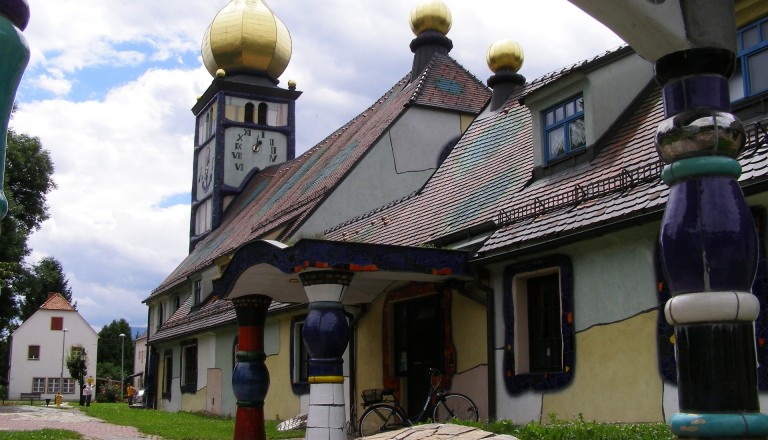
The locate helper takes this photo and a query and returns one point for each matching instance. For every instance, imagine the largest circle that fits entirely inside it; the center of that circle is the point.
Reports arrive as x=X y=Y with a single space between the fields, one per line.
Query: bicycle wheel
x=455 y=406
x=379 y=418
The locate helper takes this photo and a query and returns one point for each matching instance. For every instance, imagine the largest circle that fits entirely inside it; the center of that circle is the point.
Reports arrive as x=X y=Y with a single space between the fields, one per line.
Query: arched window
x=262 y=113
x=249 y=112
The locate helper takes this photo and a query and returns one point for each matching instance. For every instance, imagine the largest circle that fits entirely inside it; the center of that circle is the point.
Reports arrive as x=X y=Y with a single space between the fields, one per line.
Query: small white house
x=39 y=348
x=139 y=360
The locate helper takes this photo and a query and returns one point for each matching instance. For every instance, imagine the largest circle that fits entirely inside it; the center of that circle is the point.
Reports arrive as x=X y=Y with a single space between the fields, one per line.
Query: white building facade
x=39 y=348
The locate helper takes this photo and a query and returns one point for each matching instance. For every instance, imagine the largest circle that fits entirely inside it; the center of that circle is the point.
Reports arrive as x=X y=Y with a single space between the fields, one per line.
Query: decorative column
x=709 y=249
x=14 y=56
x=250 y=378
x=325 y=335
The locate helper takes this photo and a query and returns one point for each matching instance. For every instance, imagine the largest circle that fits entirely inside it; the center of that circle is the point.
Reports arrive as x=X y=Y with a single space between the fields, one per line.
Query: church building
x=507 y=235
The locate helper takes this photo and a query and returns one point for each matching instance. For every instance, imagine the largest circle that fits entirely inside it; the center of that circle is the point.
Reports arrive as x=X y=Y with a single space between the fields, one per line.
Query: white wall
x=400 y=163
x=37 y=331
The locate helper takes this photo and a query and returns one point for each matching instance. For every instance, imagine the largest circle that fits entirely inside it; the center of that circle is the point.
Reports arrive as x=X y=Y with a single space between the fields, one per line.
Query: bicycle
x=384 y=413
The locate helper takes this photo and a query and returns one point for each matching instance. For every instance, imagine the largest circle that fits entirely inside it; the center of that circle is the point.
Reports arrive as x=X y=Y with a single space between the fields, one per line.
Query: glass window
x=57 y=323
x=545 y=339
x=189 y=368
x=538 y=321
x=38 y=384
x=564 y=131
x=203 y=217
x=33 y=352
x=53 y=385
x=68 y=386
x=752 y=70
x=299 y=357
x=167 y=374
x=198 y=291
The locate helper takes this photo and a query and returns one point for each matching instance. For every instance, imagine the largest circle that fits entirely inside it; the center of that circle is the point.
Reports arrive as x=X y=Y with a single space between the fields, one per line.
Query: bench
x=30 y=396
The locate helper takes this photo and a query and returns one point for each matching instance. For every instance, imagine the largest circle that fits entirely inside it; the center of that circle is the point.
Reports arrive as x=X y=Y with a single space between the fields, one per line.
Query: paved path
x=29 y=418
x=436 y=431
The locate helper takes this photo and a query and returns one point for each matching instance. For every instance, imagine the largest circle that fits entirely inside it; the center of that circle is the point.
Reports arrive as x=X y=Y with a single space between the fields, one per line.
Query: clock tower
x=245 y=122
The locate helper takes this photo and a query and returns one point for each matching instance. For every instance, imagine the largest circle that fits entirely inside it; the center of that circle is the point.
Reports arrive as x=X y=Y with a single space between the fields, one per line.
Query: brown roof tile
x=56 y=301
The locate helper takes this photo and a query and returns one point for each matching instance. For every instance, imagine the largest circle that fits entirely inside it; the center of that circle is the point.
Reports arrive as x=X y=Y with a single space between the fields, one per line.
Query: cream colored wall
x=369 y=349
x=193 y=402
x=617 y=377
x=469 y=333
x=281 y=403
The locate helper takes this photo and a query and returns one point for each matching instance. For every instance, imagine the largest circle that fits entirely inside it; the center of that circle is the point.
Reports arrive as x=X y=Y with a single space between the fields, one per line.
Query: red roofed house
x=37 y=347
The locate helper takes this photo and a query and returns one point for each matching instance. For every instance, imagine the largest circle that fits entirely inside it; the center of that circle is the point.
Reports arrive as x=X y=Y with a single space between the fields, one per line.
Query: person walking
x=131 y=392
x=88 y=392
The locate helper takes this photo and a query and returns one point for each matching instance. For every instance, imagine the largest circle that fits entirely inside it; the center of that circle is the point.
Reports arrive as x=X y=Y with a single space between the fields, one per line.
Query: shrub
x=3 y=392
x=108 y=393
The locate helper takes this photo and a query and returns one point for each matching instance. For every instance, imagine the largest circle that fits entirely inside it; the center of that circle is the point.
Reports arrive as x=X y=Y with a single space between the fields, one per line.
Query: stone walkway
x=436 y=431
x=29 y=418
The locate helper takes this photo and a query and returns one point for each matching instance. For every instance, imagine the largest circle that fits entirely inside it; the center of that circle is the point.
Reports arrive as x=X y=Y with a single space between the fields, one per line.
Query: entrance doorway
x=418 y=345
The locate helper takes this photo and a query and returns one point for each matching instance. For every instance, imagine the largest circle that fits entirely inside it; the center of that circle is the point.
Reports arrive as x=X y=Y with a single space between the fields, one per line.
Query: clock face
x=204 y=171
x=249 y=148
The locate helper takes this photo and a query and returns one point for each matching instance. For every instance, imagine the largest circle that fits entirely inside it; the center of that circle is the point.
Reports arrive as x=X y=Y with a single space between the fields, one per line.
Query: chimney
x=430 y=22
x=505 y=57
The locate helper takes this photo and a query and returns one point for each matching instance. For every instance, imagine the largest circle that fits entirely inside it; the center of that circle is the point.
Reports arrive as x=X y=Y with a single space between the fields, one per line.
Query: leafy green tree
x=111 y=344
x=28 y=179
x=77 y=365
x=45 y=277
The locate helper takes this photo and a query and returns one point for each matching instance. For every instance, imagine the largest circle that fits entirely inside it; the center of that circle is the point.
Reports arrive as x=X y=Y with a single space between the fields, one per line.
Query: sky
x=110 y=85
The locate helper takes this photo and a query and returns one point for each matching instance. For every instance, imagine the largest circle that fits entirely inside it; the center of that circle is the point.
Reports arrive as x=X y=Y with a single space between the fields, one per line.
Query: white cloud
x=121 y=153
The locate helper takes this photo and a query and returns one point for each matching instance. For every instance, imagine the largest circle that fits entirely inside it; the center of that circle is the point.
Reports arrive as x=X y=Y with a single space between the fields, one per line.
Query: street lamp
x=63 y=340
x=122 y=371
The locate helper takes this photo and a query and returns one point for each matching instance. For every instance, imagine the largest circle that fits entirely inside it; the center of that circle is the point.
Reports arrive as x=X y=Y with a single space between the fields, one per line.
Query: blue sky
x=110 y=86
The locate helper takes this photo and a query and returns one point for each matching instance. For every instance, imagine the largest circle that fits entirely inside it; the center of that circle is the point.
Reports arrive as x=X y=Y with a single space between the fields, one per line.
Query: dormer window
x=751 y=76
x=198 y=291
x=564 y=131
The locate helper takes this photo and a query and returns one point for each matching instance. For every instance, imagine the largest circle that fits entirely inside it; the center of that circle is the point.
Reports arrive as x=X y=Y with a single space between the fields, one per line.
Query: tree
x=77 y=365
x=46 y=276
x=28 y=178
x=111 y=344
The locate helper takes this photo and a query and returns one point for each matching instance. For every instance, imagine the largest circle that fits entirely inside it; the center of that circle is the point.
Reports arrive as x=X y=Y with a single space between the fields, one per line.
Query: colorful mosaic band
x=250 y=377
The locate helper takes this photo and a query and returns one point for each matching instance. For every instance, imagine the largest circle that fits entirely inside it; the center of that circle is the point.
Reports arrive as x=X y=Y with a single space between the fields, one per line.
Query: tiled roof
x=56 y=301
x=214 y=313
x=283 y=196
x=488 y=178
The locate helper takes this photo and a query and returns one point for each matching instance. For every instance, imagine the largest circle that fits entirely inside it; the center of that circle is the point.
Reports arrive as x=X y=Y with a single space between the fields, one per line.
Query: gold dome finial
x=247 y=36
x=431 y=15
x=505 y=54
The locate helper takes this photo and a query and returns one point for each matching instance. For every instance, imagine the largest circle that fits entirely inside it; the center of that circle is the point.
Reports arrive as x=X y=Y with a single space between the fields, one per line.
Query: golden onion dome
x=505 y=54
x=431 y=15
x=246 y=36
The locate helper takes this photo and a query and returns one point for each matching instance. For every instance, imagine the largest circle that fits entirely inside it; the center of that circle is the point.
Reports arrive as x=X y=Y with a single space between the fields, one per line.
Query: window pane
x=53 y=385
x=556 y=142
x=758 y=72
x=569 y=108
x=68 y=386
x=559 y=114
x=764 y=28
x=580 y=104
x=38 y=385
x=736 y=84
x=576 y=134
x=749 y=38
x=34 y=352
x=550 y=118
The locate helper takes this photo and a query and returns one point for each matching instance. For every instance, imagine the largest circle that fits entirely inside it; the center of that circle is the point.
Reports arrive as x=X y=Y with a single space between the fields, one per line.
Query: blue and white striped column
x=325 y=335
x=709 y=249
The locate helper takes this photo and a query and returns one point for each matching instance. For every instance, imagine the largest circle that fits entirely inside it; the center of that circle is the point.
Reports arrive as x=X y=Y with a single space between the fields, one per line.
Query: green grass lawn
x=43 y=434
x=176 y=426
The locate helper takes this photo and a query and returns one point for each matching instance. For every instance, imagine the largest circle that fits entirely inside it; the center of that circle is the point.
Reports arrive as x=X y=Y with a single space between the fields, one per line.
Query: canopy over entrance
x=271 y=268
